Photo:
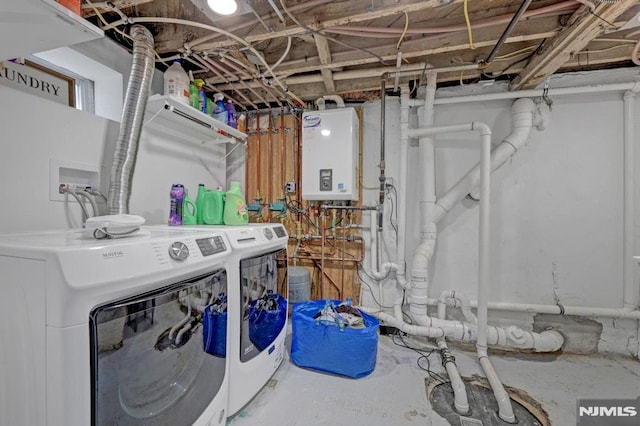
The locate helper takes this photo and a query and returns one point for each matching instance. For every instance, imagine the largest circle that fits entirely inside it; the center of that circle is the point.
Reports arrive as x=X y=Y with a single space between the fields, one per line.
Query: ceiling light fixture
x=223 y=7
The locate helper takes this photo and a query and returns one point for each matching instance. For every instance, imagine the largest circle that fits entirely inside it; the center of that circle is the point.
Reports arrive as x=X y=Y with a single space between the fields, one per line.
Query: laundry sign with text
x=38 y=80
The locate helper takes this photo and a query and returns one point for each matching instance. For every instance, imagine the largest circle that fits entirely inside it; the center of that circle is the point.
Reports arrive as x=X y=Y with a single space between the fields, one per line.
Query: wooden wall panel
x=273 y=158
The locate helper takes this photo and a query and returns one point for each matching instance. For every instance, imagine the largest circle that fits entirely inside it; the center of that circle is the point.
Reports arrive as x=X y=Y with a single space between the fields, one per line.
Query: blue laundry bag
x=265 y=324
x=214 y=333
x=317 y=345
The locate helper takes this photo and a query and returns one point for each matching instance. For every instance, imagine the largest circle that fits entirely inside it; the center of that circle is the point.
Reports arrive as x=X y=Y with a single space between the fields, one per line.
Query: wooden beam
x=324 y=53
x=456 y=43
x=583 y=27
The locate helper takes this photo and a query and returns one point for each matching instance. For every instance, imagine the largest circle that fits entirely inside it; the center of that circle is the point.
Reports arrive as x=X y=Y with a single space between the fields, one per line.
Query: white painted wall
x=556 y=207
x=35 y=131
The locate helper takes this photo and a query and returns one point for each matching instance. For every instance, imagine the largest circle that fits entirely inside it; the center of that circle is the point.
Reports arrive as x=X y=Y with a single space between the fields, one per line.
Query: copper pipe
x=322 y=258
x=269 y=196
x=283 y=168
x=297 y=144
x=259 y=159
x=344 y=251
x=331 y=259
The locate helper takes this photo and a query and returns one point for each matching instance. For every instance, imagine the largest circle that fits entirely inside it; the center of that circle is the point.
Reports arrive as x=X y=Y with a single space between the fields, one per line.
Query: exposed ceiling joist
x=584 y=26
x=362 y=17
x=324 y=53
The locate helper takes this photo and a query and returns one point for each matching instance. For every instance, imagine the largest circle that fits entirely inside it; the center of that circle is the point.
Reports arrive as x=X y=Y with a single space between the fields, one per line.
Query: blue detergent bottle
x=232 y=115
x=220 y=111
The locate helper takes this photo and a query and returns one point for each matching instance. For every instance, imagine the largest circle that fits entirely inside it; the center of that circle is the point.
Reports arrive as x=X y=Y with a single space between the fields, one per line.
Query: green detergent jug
x=199 y=203
x=189 y=210
x=213 y=208
x=235 y=207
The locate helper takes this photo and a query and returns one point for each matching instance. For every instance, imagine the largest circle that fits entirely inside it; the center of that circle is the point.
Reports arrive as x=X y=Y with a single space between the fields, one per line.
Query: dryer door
x=159 y=358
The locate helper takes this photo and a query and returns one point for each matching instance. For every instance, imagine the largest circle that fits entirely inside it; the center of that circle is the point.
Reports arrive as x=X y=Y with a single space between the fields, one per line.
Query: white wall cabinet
x=31 y=26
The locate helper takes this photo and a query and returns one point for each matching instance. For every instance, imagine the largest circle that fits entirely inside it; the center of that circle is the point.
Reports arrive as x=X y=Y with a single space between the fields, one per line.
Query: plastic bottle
x=213 y=208
x=232 y=119
x=220 y=111
x=193 y=92
x=202 y=96
x=235 y=207
x=175 y=208
x=176 y=82
x=241 y=122
x=200 y=203
x=189 y=210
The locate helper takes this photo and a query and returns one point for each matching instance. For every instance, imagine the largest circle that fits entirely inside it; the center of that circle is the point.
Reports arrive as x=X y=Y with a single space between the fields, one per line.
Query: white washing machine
x=128 y=331
x=258 y=292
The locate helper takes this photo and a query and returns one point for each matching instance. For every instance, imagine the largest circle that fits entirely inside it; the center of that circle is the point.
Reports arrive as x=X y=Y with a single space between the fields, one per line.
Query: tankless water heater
x=330 y=154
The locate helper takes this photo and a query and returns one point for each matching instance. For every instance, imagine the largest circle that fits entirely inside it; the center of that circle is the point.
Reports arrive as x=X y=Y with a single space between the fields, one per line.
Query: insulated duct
x=132 y=118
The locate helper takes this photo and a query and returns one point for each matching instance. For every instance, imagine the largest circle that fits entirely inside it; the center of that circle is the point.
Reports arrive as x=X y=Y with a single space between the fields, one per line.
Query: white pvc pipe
x=505 y=410
x=509 y=337
x=335 y=98
x=535 y=93
x=385 y=268
x=522 y=112
x=460 y=399
x=630 y=287
x=464 y=304
x=419 y=284
x=402 y=187
x=584 y=311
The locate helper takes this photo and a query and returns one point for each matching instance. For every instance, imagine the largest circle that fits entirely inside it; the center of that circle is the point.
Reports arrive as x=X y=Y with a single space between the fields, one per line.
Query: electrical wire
x=155 y=20
x=468 y=22
x=124 y=19
x=362 y=281
x=424 y=355
x=395 y=228
x=324 y=34
x=404 y=31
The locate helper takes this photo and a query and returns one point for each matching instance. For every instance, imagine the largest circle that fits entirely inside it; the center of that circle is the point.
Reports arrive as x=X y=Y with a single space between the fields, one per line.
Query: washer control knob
x=268 y=233
x=179 y=251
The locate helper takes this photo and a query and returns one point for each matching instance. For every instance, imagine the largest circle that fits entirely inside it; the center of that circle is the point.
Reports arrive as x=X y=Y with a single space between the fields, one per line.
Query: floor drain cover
x=483 y=405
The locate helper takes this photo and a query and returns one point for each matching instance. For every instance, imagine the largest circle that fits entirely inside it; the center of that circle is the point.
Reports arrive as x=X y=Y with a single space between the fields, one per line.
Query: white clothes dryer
x=123 y=331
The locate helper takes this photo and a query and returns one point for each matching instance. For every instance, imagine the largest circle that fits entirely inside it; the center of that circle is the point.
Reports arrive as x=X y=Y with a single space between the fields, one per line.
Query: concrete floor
x=395 y=393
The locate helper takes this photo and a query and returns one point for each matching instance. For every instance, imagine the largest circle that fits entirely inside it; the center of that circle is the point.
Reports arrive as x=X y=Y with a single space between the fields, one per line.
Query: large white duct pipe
x=522 y=113
x=419 y=285
x=132 y=119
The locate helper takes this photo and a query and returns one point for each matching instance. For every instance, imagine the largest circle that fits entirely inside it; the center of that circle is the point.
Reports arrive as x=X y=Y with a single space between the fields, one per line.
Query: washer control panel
x=211 y=245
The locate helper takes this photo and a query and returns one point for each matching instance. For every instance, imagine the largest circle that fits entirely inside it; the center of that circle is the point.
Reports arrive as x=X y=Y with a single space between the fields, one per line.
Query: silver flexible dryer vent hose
x=132 y=118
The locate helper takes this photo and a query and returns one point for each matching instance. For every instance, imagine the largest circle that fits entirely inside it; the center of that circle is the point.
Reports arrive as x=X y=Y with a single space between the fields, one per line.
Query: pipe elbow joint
x=481 y=127
x=547 y=341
